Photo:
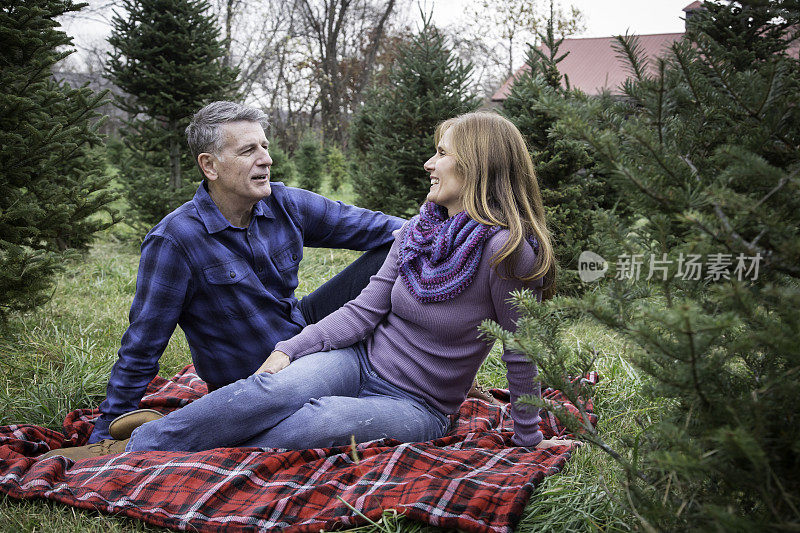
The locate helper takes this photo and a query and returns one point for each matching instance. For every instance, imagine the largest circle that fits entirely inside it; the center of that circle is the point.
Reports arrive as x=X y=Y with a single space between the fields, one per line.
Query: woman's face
x=445 y=182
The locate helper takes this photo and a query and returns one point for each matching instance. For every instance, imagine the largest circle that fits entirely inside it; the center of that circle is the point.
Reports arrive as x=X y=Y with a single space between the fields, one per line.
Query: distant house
x=593 y=64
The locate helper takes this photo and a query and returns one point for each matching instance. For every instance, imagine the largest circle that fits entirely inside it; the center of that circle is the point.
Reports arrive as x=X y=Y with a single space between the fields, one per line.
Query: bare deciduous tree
x=262 y=41
x=506 y=27
x=346 y=36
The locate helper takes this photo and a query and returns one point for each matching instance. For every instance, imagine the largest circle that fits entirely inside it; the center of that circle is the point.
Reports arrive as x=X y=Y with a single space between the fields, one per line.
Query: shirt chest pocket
x=288 y=257
x=234 y=287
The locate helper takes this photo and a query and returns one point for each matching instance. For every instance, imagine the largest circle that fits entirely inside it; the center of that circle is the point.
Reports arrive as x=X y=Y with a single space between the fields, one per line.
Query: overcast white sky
x=603 y=18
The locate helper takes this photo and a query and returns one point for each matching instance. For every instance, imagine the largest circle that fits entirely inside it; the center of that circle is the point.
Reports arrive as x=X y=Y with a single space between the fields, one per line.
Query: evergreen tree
x=282 y=169
x=707 y=149
x=571 y=188
x=393 y=132
x=52 y=182
x=337 y=168
x=166 y=58
x=309 y=163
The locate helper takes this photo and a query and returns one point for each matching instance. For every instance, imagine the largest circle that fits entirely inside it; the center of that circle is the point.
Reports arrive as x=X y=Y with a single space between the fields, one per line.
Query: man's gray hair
x=204 y=133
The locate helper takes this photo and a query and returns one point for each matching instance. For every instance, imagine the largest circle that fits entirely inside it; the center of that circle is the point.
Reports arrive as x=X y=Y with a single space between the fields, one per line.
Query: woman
x=397 y=360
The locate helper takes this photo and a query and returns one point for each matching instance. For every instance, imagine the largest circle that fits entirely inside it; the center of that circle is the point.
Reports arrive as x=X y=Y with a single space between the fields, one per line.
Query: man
x=224 y=265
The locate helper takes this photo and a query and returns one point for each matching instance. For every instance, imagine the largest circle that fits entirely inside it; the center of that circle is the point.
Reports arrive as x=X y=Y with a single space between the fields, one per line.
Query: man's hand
x=276 y=362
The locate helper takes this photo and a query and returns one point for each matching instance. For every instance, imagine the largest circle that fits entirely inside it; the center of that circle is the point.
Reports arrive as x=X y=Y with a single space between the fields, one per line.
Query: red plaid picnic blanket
x=473 y=479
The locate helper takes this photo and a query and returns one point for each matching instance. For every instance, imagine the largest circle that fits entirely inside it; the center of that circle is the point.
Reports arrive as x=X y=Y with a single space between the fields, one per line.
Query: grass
x=57 y=359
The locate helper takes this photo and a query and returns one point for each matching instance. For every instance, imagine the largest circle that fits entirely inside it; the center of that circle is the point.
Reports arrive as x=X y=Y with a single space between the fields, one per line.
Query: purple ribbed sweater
x=431 y=350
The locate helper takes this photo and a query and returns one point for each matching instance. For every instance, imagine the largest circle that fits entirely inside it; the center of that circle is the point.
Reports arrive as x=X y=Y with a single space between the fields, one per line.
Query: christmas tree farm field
x=57 y=359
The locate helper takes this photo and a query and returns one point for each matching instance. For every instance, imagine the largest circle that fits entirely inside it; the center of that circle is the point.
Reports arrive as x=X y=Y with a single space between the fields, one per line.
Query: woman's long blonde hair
x=500 y=189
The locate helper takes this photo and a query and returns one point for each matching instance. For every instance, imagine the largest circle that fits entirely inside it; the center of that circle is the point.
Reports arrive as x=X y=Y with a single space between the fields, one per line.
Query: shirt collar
x=212 y=217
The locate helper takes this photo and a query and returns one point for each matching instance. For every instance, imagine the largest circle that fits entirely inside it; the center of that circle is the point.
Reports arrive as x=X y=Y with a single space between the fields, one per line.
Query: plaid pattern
x=473 y=479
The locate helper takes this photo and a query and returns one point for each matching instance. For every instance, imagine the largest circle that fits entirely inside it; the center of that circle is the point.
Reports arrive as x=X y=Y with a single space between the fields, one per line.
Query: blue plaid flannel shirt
x=231 y=290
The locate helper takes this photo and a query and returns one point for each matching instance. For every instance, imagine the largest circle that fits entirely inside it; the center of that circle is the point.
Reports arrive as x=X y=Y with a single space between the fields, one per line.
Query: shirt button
x=294 y=257
x=233 y=274
x=261 y=269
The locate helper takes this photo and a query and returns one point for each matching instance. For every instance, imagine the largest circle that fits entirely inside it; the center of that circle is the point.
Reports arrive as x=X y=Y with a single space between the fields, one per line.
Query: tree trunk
x=372 y=53
x=325 y=24
x=227 y=61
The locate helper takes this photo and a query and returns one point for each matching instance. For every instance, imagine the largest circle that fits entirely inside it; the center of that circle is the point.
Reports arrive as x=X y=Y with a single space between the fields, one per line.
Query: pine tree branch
x=590 y=434
x=733 y=94
x=628 y=47
x=660 y=101
x=730 y=92
x=783 y=181
x=645 y=523
x=684 y=67
x=693 y=364
x=786 y=497
x=657 y=156
x=733 y=235
x=660 y=199
x=749 y=246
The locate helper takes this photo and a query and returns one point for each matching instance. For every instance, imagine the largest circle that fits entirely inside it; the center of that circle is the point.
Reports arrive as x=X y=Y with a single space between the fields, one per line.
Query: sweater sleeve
x=520 y=371
x=354 y=321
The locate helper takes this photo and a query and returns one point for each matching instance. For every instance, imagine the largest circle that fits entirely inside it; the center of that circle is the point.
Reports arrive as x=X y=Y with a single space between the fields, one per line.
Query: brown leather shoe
x=478 y=392
x=104 y=447
x=121 y=427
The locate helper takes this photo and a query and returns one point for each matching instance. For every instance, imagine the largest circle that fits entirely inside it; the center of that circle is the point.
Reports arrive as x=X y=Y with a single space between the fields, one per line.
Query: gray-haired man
x=224 y=265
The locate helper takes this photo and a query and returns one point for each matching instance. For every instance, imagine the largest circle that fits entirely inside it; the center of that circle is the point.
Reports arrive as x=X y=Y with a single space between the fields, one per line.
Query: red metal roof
x=593 y=64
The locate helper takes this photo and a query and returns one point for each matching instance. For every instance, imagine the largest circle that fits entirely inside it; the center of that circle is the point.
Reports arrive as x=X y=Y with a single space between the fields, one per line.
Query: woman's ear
x=207 y=165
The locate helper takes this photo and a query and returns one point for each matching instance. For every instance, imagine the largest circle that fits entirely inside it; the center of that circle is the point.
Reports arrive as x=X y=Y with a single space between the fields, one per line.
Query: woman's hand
x=549 y=443
x=276 y=362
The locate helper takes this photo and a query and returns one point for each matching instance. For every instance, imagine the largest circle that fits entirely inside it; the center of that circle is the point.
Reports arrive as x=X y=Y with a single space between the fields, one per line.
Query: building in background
x=593 y=64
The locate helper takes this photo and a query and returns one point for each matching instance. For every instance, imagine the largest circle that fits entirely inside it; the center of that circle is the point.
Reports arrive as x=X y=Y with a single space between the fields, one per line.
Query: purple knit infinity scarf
x=439 y=256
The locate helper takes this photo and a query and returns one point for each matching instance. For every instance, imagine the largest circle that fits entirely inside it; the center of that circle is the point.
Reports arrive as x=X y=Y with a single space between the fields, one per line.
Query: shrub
x=309 y=163
x=283 y=169
x=337 y=168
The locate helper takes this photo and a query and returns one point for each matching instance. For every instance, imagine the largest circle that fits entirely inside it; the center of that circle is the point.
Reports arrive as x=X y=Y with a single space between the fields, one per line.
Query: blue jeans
x=319 y=400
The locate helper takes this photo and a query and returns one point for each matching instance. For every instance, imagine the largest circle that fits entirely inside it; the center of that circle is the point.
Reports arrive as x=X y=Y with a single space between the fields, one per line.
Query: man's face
x=242 y=166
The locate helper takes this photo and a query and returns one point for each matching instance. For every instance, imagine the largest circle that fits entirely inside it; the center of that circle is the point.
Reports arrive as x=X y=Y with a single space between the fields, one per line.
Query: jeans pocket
x=444 y=423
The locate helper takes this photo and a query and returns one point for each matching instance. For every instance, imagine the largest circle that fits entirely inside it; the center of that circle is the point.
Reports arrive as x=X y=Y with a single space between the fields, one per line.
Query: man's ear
x=207 y=165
